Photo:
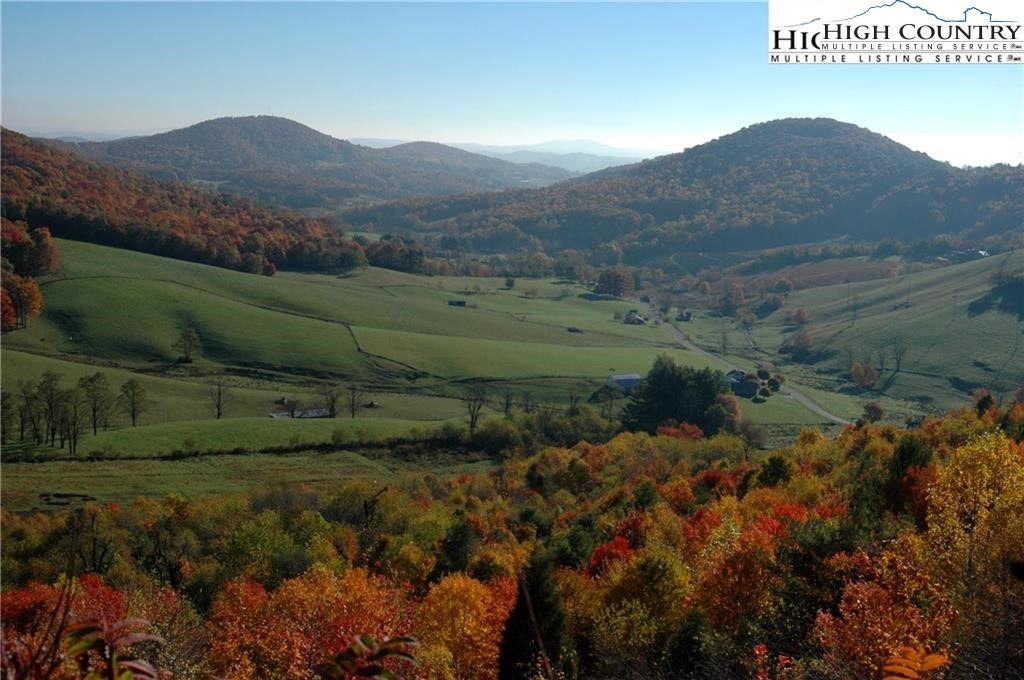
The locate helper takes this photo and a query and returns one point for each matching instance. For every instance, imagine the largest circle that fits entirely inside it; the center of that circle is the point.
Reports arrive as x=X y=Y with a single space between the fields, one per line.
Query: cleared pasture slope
x=955 y=333
x=177 y=398
x=253 y=434
x=128 y=308
x=448 y=356
x=125 y=480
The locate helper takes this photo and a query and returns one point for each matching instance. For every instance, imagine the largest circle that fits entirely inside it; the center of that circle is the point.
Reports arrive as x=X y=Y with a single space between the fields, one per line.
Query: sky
x=658 y=77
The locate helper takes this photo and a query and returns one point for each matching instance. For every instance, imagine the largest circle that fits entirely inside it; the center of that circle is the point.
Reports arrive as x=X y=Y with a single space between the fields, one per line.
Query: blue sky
x=649 y=76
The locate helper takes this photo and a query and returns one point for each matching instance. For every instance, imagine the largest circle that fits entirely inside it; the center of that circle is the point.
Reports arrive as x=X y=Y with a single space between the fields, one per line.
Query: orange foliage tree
x=256 y=634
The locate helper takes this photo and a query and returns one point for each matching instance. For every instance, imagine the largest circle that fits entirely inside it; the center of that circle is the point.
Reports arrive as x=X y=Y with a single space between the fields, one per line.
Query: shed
x=625 y=381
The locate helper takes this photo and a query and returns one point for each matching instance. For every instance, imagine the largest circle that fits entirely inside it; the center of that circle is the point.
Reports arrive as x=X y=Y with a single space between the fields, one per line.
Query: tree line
x=46 y=412
x=27 y=254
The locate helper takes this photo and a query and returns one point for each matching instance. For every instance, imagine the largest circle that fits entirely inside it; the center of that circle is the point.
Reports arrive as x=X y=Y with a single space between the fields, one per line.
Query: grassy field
x=393 y=334
x=129 y=308
x=181 y=398
x=447 y=356
x=253 y=434
x=957 y=336
x=33 y=485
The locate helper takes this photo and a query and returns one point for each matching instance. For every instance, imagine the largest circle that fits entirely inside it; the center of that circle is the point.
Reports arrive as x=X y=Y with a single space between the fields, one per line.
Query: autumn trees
x=27 y=253
x=615 y=282
x=665 y=554
x=864 y=374
x=20 y=301
x=44 y=186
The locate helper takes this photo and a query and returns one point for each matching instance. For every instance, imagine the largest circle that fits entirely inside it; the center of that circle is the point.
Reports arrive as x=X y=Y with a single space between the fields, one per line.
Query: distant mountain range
x=770 y=184
x=578 y=156
x=279 y=161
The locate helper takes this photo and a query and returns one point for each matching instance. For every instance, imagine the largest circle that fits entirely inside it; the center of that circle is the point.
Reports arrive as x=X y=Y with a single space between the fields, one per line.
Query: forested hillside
x=79 y=199
x=769 y=184
x=283 y=162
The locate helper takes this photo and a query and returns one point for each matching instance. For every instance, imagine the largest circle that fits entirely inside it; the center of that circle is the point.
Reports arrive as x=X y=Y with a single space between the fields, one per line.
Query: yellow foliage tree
x=460 y=621
x=975 y=512
x=975 y=531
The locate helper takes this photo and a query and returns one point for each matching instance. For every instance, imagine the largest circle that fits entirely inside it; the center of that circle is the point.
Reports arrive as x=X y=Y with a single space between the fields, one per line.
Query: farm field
x=37 y=485
x=175 y=398
x=393 y=334
x=957 y=335
x=389 y=332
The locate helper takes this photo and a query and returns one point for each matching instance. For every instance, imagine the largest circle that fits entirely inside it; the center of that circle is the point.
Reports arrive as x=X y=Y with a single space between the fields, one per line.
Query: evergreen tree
x=671 y=393
x=538 y=617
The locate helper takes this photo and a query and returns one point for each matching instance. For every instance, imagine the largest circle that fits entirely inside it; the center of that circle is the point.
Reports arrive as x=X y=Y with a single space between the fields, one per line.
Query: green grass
x=178 y=398
x=246 y=433
x=452 y=357
x=274 y=337
x=955 y=340
x=123 y=481
x=130 y=307
x=170 y=399
x=127 y=309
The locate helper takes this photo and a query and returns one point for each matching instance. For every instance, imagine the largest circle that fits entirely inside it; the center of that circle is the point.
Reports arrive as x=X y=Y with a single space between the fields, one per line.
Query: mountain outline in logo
x=894 y=3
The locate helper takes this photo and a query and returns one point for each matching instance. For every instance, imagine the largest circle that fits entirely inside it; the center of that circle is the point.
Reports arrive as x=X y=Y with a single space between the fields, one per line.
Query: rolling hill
x=580 y=156
x=284 y=162
x=77 y=198
x=955 y=328
x=392 y=333
x=769 y=184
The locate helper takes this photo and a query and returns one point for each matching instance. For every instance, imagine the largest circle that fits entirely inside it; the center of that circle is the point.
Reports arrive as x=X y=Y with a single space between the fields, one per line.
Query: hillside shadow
x=1007 y=298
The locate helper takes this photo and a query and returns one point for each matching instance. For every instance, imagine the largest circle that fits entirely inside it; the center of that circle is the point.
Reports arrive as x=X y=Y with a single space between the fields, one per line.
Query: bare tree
x=30 y=412
x=883 y=359
x=609 y=395
x=95 y=550
x=99 y=397
x=507 y=404
x=475 y=400
x=526 y=403
x=74 y=418
x=753 y=436
x=329 y=396
x=219 y=393
x=48 y=393
x=354 y=395
x=133 y=400
x=899 y=350
x=186 y=344
x=293 y=406
x=574 y=402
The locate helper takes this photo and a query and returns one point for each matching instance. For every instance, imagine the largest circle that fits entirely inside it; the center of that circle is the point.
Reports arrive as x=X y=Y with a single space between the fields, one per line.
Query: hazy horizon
x=653 y=77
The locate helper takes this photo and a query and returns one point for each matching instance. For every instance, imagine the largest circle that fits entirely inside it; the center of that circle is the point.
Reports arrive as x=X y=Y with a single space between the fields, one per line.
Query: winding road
x=788 y=391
